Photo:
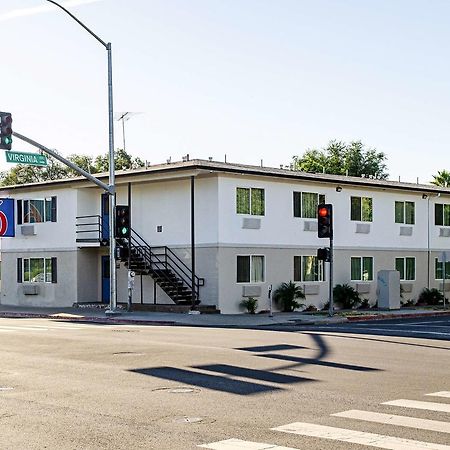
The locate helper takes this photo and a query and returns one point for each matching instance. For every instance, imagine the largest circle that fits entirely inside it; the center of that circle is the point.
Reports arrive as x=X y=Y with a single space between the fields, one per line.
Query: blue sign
x=7 y=228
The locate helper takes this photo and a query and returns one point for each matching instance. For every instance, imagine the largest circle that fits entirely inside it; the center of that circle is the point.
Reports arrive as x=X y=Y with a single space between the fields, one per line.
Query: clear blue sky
x=253 y=79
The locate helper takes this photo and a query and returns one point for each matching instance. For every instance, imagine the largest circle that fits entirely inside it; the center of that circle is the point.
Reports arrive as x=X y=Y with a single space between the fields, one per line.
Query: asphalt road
x=86 y=386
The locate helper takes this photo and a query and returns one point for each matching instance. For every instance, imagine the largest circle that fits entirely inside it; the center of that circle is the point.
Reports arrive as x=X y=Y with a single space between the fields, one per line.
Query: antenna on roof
x=399 y=178
x=147 y=164
x=169 y=160
x=417 y=180
x=262 y=165
x=225 y=157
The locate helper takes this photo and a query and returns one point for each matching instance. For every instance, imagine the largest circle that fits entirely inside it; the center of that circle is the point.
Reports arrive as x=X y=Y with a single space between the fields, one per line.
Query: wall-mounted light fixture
x=424 y=196
x=338 y=188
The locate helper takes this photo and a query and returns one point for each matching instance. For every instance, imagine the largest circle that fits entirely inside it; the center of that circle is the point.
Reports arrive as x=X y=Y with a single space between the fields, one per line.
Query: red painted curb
x=396 y=316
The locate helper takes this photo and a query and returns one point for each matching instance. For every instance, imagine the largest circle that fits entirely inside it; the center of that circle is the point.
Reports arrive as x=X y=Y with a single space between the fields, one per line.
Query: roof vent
x=185 y=158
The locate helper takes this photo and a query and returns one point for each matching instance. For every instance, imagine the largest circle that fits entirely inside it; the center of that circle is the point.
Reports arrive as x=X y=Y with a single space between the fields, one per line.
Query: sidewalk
x=210 y=320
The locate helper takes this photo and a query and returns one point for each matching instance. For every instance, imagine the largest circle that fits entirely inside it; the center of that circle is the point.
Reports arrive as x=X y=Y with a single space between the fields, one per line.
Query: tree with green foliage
x=442 y=178
x=340 y=158
x=23 y=173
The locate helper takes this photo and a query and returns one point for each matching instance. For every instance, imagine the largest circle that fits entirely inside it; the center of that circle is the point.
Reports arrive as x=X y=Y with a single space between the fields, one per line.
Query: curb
x=397 y=316
x=105 y=320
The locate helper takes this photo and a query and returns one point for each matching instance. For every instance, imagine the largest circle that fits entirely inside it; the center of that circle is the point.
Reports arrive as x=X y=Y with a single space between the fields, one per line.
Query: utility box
x=388 y=289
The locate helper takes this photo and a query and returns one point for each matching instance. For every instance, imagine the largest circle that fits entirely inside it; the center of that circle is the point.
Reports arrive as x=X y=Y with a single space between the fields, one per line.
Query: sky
x=250 y=79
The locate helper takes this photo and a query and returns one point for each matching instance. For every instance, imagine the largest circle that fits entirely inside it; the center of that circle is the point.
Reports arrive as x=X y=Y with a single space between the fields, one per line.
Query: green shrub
x=346 y=296
x=286 y=296
x=250 y=304
x=364 y=304
x=430 y=296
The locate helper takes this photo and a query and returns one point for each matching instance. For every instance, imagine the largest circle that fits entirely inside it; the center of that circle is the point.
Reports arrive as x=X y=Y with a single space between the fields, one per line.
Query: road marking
x=391 y=419
x=18 y=328
x=445 y=394
x=429 y=406
x=238 y=444
x=358 y=437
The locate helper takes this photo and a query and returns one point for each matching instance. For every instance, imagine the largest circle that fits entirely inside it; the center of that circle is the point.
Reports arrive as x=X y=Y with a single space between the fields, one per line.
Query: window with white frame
x=36 y=210
x=305 y=204
x=308 y=268
x=438 y=270
x=361 y=209
x=36 y=270
x=442 y=214
x=250 y=269
x=407 y=268
x=405 y=212
x=361 y=268
x=250 y=201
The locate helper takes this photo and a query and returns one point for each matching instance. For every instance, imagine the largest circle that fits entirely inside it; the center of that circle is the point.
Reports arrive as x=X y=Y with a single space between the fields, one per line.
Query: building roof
x=200 y=165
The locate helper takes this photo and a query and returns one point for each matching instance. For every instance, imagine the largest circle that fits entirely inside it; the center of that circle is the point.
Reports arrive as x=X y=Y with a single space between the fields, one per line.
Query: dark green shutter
x=53 y=209
x=438 y=214
x=297 y=204
x=19 y=270
x=54 y=272
x=19 y=212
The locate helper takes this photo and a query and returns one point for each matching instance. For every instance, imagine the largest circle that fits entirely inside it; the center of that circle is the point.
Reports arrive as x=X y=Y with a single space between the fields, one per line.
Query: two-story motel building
x=248 y=227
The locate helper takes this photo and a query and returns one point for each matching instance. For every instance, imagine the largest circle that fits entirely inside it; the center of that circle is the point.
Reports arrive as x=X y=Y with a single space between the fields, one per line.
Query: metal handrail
x=98 y=225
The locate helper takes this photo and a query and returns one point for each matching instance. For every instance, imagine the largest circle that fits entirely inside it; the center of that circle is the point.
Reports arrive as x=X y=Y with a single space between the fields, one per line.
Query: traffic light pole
x=330 y=287
x=111 y=187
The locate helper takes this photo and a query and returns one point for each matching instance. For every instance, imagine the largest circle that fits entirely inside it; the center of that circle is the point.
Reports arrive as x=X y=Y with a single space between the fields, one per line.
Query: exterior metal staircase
x=167 y=270
x=161 y=263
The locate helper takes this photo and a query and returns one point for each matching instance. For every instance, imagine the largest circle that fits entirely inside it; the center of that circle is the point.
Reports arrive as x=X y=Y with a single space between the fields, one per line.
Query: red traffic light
x=323 y=212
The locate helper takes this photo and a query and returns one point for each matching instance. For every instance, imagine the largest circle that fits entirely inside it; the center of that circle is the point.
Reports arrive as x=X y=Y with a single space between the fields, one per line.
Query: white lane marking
x=238 y=444
x=357 y=330
x=391 y=419
x=429 y=406
x=445 y=394
x=18 y=328
x=358 y=437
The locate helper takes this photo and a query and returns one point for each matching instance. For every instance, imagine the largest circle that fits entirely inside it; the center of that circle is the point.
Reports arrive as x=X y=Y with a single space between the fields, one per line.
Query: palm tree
x=287 y=294
x=442 y=178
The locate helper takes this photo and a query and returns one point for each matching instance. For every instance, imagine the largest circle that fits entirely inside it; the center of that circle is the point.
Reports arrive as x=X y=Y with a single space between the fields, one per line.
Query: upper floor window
x=361 y=268
x=250 y=269
x=308 y=268
x=250 y=201
x=406 y=267
x=36 y=270
x=405 y=212
x=36 y=211
x=305 y=204
x=361 y=209
x=442 y=214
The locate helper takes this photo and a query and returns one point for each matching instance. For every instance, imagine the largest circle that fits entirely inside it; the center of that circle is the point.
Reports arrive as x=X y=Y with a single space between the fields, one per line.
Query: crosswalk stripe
x=445 y=394
x=391 y=419
x=358 y=437
x=238 y=444
x=429 y=406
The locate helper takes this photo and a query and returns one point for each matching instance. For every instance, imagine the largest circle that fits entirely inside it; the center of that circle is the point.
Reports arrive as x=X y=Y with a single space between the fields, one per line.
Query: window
x=305 y=204
x=405 y=212
x=406 y=267
x=361 y=209
x=250 y=269
x=442 y=214
x=438 y=266
x=308 y=268
x=36 y=211
x=36 y=270
x=250 y=201
x=361 y=268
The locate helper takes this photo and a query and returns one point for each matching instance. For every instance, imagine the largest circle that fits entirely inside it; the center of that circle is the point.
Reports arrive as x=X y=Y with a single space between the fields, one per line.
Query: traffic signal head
x=123 y=226
x=5 y=130
x=325 y=220
x=323 y=254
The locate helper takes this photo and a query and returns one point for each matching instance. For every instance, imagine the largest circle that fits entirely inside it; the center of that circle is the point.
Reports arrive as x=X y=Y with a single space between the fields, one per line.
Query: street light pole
x=112 y=193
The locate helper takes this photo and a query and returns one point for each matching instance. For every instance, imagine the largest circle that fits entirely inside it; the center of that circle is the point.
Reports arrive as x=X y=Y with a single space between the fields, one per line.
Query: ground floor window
x=308 y=268
x=36 y=270
x=438 y=270
x=361 y=268
x=406 y=267
x=250 y=269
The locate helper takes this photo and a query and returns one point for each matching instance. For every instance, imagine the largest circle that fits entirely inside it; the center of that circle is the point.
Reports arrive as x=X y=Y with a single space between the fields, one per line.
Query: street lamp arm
x=80 y=23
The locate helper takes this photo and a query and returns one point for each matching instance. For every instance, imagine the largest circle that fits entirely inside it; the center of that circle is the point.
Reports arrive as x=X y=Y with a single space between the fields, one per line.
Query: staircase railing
x=162 y=258
x=89 y=228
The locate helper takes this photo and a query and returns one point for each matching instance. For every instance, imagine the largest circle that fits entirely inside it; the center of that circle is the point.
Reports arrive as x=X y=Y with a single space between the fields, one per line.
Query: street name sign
x=33 y=159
